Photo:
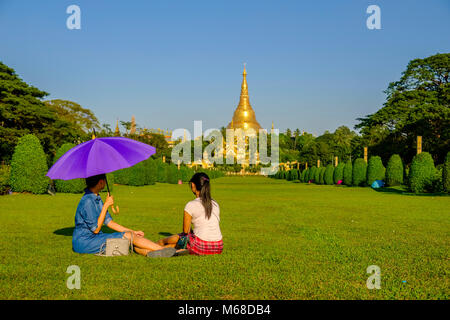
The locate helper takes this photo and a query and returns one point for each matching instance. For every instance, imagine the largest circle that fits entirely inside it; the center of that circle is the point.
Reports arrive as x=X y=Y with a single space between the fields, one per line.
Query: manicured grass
x=283 y=240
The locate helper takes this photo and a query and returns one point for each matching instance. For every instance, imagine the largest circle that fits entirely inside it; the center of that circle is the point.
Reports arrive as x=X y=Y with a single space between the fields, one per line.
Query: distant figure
x=204 y=214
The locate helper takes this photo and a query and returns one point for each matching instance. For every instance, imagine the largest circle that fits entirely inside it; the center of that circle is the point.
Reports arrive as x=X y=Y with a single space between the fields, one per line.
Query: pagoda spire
x=244 y=115
x=117 y=132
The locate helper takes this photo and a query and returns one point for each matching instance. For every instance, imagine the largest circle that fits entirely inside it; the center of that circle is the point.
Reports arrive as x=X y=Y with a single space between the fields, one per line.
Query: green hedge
x=292 y=175
x=422 y=173
x=29 y=166
x=446 y=174
x=4 y=179
x=375 y=170
x=394 y=171
x=187 y=173
x=303 y=175
x=312 y=174
x=68 y=186
x=328 y=175
x=150 y=171
x=321 y=174
x=348 y=173
x=338 y=173
x=161 y=169
x=173 y=174
x=359 y=172
x=136 y=175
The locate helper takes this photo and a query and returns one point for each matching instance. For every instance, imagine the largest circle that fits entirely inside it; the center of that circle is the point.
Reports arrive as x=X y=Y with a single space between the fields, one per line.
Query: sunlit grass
x=282 y=240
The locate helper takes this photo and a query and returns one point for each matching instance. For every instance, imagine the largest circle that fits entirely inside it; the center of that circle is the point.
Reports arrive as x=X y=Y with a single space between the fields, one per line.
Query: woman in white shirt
x=203 y=213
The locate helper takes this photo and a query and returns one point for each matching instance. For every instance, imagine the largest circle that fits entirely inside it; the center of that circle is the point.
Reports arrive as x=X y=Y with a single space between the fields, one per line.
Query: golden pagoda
x=244 y=116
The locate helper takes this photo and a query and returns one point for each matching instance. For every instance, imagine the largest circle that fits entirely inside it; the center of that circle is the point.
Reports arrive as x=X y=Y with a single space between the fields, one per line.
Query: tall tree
x=23 y=112
x=416 y=105
x=84 y=119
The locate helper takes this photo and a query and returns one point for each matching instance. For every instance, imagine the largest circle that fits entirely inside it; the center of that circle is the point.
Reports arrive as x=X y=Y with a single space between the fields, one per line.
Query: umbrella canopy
x=99 y=156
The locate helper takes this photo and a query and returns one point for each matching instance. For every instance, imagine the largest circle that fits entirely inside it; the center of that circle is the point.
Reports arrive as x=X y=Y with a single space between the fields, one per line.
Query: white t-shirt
x=205 y=229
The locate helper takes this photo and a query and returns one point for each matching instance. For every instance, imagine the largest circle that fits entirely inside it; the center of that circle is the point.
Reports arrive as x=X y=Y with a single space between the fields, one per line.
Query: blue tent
x=377 y=184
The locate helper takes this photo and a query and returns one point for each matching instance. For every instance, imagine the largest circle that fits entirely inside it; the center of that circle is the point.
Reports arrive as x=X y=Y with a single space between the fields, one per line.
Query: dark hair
x=93 y=181
x=201 y=181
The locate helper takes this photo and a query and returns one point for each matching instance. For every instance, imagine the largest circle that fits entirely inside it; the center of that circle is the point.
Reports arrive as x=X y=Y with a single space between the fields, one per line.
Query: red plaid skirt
x=200 y=247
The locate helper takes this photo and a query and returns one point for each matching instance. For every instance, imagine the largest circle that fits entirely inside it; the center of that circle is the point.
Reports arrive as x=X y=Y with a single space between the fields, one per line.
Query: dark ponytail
x=201 y=181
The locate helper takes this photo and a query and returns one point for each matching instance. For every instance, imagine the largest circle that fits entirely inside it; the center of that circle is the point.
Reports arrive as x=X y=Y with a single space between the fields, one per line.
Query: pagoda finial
x=117 y=132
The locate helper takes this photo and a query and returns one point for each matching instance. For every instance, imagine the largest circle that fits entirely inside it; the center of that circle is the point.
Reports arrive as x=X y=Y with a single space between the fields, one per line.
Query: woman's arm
x=117 y=227
x=109 y=202
x=187 y=222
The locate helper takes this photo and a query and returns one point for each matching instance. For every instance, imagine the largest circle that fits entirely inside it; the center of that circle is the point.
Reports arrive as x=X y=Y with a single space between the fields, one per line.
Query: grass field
x=282 y=240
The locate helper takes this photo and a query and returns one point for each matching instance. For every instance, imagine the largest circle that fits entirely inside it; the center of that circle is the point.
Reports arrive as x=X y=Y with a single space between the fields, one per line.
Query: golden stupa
x=244 y=116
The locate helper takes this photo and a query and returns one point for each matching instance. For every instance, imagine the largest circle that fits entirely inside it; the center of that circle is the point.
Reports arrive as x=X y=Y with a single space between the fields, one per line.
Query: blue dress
x=84 y=240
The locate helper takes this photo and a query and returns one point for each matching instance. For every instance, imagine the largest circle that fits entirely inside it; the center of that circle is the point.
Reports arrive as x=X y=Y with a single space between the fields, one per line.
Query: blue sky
x=311 y=65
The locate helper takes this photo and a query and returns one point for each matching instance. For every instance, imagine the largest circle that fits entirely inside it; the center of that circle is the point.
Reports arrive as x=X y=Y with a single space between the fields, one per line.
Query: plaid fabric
x=200 y=247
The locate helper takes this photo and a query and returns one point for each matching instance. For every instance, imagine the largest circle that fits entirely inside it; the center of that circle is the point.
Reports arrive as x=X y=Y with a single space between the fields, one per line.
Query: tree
x=416 y=105
x=82 y=118
x=22 y=112
x=126 y=125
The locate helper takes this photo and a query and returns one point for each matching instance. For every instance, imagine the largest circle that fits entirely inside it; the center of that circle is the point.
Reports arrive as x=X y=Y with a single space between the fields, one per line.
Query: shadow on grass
x=165 y=234
x=408 y=193
x=69 y=231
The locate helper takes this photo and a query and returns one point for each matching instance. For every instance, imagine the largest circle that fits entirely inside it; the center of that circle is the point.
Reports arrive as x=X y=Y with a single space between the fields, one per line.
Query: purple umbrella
x=99 y=156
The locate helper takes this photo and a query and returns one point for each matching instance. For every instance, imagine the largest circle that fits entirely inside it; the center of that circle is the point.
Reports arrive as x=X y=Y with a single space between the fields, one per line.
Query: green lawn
x=282 y=240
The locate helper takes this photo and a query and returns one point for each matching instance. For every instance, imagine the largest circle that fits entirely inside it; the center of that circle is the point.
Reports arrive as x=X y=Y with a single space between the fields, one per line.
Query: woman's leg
x=169 y=242
x=143 y=245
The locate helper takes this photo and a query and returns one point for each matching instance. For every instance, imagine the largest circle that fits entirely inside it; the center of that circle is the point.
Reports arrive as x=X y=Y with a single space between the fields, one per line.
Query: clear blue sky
x=312 y=65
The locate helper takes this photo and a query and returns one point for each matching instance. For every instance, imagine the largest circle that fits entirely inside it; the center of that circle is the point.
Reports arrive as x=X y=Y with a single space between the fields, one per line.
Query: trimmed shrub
x=187 y=173
x=422 y=173
x=121 y=176
x=328 y=175
x=375 y=170
x=29 y=166
x=4 y=179
x=150 y=171
x=446 y=174
x=68 y=186
x=359 y=172
x=348 y=173
x=301 y=175
x=295 y=175
x=161 y=172
x=136 y=175
x=321 y=174
x=312 y=174
x=292 y=175
x=394 y=171
x=338 y=173
x=173 y=174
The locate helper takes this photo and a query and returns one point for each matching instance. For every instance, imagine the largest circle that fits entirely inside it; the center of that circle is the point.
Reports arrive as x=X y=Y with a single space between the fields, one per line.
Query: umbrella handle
x=114 y=210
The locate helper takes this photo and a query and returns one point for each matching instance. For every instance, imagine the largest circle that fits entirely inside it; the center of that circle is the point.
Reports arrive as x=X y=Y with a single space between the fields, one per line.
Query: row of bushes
x=29 y=168
x=422 y=176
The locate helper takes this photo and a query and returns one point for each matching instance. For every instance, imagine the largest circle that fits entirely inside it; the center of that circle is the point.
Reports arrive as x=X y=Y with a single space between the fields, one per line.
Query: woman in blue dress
x=92 y=214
